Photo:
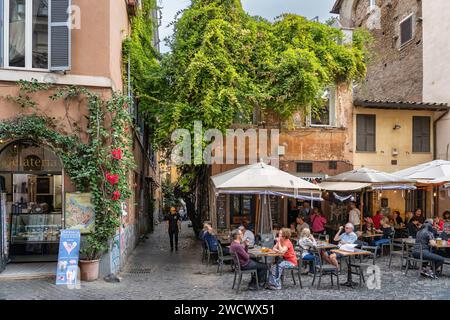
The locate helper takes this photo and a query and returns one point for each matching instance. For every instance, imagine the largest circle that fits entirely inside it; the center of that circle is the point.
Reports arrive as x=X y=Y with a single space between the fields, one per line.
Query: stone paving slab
x=182 y=276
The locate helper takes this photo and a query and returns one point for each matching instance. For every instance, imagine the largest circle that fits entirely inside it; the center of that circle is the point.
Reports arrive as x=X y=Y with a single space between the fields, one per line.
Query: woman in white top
x=307 y=242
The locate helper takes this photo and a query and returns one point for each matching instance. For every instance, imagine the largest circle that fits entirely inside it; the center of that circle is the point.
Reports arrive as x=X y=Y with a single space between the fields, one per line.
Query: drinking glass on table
x=327 y=238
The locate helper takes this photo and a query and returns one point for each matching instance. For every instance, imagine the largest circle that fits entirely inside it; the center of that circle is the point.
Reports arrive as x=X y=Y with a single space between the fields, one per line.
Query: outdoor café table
x=409 y=241
x=256 y=253
x=349 y=255
x=442 y=245
x=368 y=235
x=225 y=240
x=322 y=245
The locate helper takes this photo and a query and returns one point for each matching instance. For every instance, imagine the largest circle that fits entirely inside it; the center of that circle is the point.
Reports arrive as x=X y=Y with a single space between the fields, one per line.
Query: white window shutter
x=60 y=35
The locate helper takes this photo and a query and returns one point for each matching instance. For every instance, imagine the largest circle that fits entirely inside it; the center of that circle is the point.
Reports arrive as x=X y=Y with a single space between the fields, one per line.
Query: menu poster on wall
x=221 y=212
x=80 y=212
x=275 y=210
x=69 y=252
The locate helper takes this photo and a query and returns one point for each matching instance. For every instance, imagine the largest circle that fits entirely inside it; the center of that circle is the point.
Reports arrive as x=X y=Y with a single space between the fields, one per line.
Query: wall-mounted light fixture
x=397 y=126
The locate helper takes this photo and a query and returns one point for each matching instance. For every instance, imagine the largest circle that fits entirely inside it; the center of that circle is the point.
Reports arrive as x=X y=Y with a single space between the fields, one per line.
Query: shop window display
x=31 y=180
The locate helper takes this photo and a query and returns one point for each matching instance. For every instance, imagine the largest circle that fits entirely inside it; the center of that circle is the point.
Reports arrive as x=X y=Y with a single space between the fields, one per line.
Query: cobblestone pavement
x=155 y=273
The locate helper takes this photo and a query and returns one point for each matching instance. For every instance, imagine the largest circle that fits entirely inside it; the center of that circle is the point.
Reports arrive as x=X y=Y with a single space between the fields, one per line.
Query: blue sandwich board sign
x=69 y=252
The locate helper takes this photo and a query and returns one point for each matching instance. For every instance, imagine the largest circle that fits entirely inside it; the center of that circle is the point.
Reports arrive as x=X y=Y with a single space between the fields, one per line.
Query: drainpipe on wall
x=434 y=134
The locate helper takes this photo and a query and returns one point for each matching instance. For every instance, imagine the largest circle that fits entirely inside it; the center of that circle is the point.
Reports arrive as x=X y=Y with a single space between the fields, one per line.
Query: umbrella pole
x=257 y=215
x=361 y=205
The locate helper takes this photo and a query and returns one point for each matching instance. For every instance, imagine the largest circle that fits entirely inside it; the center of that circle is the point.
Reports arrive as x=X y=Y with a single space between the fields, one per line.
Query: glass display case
x=34 y=228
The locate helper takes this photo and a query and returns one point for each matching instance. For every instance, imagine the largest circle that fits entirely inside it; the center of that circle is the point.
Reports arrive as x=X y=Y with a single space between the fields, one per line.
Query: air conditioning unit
x=394 y=152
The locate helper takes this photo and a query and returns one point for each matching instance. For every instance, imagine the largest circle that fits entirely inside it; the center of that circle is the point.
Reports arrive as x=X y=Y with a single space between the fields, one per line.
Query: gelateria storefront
x=31 y=187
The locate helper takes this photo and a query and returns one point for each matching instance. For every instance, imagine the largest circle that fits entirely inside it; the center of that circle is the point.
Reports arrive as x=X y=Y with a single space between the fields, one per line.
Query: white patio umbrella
x=433 y=173
x=370 y=176
x=263 y=179
x=260 y=177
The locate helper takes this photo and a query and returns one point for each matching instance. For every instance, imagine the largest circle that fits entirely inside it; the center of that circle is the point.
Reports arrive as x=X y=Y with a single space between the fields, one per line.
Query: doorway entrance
x=31 y=184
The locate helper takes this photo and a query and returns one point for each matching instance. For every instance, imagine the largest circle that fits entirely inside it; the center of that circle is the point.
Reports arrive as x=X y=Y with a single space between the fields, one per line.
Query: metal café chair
x=397 y=249
x=364 y=262
x=238 y=273
x=295 y=270
x=209 y=253
x=222 y=259
x=411 y=260
x=204 y=251
x=322 y=269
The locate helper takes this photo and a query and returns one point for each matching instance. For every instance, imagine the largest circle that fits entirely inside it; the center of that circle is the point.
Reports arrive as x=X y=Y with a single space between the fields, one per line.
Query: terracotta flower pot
x=89 y=269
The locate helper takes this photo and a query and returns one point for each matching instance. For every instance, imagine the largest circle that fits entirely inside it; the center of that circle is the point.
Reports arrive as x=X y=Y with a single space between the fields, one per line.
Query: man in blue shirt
x=209 y=236
x=349 y=237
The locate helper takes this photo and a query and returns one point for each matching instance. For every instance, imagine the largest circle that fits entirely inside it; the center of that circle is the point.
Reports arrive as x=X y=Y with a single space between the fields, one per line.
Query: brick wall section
x=393 y=73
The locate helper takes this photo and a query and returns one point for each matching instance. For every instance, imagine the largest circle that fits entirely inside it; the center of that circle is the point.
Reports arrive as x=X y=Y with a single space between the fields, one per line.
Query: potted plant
x=89 y=266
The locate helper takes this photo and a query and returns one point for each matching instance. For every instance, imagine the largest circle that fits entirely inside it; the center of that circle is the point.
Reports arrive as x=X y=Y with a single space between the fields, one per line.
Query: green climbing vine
x=100 y=165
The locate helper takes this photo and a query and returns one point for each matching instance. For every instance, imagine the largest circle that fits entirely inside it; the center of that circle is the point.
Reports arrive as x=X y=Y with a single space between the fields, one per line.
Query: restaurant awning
x=344 y=186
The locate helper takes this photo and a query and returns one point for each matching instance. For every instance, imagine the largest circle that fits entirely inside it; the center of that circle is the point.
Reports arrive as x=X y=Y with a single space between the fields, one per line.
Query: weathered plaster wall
x=394 y=73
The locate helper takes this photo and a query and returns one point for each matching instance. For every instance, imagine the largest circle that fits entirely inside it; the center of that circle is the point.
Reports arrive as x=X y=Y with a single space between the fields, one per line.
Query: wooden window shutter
x=421 y=134
x=365 y=132
x=370 y=133
x=60 y=43
x=360 y=133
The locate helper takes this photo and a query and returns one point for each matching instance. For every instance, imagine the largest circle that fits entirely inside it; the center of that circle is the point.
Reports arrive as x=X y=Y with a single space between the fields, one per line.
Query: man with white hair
x=348 y=237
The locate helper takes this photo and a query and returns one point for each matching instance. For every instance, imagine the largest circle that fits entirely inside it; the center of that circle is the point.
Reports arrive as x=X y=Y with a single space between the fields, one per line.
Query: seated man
x=425 y=239
x=244 y=259
x=208 y=234
x=348 y=237
x=248 y=235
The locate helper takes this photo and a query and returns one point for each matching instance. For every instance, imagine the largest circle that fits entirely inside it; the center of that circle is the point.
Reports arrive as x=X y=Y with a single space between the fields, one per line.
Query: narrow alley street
x=155 y=273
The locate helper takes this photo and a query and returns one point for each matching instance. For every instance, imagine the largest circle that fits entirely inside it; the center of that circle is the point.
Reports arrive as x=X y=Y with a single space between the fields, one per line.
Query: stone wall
x=394 y=73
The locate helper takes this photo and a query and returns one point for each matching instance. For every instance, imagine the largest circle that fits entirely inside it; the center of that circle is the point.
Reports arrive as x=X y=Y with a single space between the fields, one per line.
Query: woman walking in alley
x=173 y=227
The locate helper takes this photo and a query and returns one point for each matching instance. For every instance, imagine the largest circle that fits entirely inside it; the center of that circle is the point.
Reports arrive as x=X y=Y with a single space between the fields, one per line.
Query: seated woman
x=413 y=227
x=397 y=220
x=368 y=224
x=445 y=234
x=438 y=224
x=387 y=230
x=283 y=246
x=306 y=244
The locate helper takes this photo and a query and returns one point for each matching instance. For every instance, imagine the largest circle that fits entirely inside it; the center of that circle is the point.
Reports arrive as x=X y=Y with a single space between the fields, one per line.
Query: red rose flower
x=112 y=178
x=116 y=195
x=117 y=154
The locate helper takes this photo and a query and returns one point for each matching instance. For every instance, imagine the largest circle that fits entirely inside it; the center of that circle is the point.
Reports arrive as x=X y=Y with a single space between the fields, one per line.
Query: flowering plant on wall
x=101 y=165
